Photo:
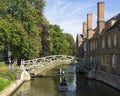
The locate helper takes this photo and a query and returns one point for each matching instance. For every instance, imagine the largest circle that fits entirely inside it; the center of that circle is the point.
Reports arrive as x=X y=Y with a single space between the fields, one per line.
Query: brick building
x=102 y=46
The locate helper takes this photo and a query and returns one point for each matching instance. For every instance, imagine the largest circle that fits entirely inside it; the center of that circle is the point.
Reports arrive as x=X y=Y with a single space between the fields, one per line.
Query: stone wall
x=109 y=79
x=10 y=89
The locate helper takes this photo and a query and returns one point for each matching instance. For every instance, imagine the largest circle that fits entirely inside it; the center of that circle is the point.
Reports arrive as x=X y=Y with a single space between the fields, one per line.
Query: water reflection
x=48 y=85
x=87 y=87
x=78 y=85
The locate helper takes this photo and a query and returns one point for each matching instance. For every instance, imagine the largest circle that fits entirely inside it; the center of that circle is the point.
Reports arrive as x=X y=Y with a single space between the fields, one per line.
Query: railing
x=45 y=61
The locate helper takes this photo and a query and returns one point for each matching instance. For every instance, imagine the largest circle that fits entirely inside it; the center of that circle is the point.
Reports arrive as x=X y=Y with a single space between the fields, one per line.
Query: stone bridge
x=46 y=61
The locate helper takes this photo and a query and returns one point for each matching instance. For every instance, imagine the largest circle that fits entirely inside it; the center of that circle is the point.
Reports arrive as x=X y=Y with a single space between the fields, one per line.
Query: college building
x=101 y=46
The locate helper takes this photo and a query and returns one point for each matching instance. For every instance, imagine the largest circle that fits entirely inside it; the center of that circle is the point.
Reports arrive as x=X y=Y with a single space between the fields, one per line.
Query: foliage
x=4 y=83
x=26 y=33
x=21 y=26
x=61 y=43
x=2 y=64
x=71 y=44
x=6 y=76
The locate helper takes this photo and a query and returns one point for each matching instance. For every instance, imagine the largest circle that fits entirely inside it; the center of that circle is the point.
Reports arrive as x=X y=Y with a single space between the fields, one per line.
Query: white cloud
x=71 y=14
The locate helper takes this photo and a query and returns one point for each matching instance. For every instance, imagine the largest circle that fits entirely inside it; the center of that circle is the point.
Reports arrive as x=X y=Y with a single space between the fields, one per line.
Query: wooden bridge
x=46 y=61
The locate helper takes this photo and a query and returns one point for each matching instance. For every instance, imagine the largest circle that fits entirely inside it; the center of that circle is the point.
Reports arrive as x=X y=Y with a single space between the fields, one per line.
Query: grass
x=6 y=76
x=4 y=83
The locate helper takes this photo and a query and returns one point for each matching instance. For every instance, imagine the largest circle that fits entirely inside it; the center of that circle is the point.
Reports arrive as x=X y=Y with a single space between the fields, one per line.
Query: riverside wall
x=10 y=89
x=111 y=79
x=108 y=78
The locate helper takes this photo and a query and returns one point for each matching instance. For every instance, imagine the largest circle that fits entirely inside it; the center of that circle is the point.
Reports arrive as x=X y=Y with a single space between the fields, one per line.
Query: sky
x=70 y=14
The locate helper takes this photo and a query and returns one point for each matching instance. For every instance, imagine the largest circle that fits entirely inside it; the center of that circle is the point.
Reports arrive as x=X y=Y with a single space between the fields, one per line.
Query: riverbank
x=110 y=79
x=48 y=84
x=11 y=88
x=16 y=84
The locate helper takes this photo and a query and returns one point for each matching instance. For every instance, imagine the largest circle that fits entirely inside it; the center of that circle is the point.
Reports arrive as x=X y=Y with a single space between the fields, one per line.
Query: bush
x=6 y=73
x=2 y=69
x=2 y=64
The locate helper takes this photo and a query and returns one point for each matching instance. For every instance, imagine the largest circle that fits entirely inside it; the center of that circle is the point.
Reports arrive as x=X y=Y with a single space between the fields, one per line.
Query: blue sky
x=70 y=14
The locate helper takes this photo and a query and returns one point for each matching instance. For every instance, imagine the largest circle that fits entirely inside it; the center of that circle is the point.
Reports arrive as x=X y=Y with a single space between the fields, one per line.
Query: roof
x=116 y=25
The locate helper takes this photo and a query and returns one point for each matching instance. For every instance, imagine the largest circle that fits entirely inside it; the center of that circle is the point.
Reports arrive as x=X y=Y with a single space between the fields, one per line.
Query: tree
x=21 y=27
x=71 y=43
x=61 y=43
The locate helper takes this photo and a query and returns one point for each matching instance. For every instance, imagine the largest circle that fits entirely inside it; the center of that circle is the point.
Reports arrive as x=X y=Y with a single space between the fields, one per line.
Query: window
x=91 y=58
x=85 y=46
x=91 y=46
x=96 y=44
x=102 y=60
x=109 y=41
x=103 y=43
x=114 y=60
x=115 y=40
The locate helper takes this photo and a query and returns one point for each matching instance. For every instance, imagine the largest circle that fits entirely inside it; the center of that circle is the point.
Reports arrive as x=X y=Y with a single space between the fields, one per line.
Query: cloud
x=67 y=15
x=70 y=14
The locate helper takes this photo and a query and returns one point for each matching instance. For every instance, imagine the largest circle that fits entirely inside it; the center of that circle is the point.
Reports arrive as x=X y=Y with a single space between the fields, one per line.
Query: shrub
x=2 y=64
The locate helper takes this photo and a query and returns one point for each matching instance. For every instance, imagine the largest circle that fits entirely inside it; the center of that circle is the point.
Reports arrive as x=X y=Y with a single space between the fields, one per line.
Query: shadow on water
x=87 y=87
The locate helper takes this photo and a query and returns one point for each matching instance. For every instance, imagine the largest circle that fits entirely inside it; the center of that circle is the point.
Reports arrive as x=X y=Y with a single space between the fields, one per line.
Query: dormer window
x=111 y=22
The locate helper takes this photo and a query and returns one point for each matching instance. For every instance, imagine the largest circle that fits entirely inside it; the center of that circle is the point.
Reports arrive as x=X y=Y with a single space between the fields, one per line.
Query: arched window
x=115 y=40
x=114 y=60
x=109 y=41
x=103 y=43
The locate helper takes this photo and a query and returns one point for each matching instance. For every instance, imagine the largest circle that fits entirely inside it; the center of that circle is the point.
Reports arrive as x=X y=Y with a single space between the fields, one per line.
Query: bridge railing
x=44 y=61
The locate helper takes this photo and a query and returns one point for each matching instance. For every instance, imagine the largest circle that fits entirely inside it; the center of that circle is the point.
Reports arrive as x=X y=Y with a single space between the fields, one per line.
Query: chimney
x=100 y=17
x=85 y=29
x=89 y=26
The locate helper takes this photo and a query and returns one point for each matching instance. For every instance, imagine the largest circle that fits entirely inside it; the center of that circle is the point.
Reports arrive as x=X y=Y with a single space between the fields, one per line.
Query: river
x=78 y=85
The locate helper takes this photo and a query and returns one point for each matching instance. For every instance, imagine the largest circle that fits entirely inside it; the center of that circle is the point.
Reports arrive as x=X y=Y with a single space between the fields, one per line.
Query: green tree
x=21 y=26
x=71 y=43
x=61 y=43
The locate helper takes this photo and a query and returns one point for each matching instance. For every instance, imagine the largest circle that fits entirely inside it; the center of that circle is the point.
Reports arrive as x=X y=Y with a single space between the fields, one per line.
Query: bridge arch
x=46 y=61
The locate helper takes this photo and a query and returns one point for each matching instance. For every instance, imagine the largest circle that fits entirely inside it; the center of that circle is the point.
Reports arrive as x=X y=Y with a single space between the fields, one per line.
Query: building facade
x=102 y=46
